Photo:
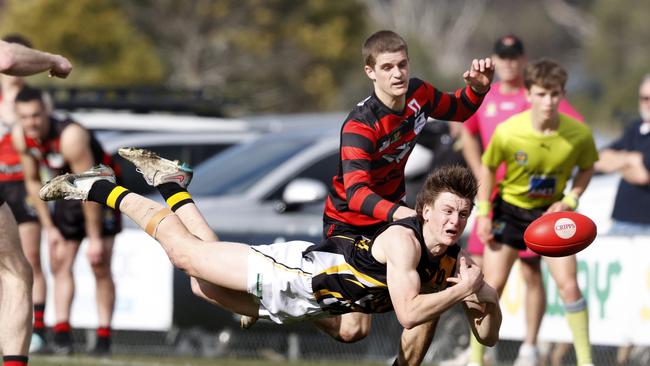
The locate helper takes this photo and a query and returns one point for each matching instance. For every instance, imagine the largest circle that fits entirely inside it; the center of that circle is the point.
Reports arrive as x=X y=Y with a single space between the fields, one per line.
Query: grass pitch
x=164 y=361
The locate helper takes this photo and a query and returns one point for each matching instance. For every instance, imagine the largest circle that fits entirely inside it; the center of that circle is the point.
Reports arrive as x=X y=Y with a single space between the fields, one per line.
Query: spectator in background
x=506 y=98
x=65 y=146
x=15 y=272
x=12 y=186
x=630 y=156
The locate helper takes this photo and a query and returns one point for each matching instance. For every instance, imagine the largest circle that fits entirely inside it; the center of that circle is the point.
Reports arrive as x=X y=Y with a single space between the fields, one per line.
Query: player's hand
x=470 y=277
x=480 y=75
x=484 y=230
x=95 y=252
x=54 y=237
x=61 y=68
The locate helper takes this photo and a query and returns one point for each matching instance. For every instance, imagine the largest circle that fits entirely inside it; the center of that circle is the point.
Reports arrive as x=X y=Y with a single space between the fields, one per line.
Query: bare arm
x=18 y=60
x=610 y=160
x=580 y=183
x=471 y=151
x=482 y=310
x=32 y=176
x=33 y=185
x=75 y=148
x=484 y=222
x=628 y=163
x=411 y=307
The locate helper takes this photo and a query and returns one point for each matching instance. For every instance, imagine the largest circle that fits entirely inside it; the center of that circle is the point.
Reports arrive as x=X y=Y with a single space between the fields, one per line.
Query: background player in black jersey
x=298 y=280
x=66 y=146
x=376 y=140
x=15 y=272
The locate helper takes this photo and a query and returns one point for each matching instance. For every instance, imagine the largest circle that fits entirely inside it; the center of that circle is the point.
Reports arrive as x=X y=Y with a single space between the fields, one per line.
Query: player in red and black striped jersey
x=65 y=146
x=376 y=141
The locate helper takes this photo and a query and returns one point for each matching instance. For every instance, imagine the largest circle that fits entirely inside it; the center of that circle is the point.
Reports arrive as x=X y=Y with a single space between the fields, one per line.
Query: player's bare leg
x=535 y=305
x=158 y=171
x=62 y=257
x=347 y=328
x=223 y=264
x=16 y=290
x=498 y=259
x=30 y=238
x=415 y=343
x=104 y=297
x=564 y=273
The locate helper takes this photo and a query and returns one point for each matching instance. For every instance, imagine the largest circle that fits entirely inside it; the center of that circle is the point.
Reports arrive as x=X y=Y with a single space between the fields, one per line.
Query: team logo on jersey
x=400 y=152
x=420 y=121
x=521 y=157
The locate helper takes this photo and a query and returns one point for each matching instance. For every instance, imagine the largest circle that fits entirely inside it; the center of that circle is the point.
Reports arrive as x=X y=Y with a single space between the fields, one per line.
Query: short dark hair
x=17 y=38
x=29 y=94
x=545 y=73
x=454 y=179
x=380 y=42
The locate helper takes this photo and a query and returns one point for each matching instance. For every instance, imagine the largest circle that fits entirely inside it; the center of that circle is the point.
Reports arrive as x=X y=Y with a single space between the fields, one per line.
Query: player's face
x=544 y=102
x=390 y=74
x=509 y=69
x=644 y=101
x=447 y=218
x=32 y=117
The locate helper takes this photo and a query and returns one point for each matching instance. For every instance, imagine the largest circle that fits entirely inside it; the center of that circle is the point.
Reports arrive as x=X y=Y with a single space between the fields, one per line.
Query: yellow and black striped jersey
x=347 y=278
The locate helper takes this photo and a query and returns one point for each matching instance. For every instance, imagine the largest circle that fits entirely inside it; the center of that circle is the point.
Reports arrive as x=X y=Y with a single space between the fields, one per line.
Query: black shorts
x=69 y=219
x=332 y=227
x=509 y=222
x=15 y=194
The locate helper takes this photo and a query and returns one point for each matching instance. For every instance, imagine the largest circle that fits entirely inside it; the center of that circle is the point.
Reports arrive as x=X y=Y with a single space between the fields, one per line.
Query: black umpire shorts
x=15 y=194
x=69 y=219
x=509 y=222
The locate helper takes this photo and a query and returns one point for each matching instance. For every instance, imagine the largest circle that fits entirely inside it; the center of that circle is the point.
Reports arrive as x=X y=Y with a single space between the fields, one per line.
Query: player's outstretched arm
x=18 y=60
x=481 y=307
x=480 y=75
x=570 y=200
x=411 y=307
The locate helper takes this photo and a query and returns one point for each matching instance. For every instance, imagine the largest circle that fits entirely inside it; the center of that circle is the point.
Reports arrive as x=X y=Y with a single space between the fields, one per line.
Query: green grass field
x=159 y=361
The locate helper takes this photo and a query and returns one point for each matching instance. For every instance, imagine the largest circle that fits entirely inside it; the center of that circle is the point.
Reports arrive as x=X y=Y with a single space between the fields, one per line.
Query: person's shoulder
x=364 y=112
x=570 y=122
x=514 y=122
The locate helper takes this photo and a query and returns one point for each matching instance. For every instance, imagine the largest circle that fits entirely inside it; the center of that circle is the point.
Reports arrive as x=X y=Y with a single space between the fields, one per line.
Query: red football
x=559 y=234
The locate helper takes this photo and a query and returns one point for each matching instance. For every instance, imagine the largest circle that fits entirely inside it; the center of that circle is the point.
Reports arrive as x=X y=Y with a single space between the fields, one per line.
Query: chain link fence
x=302 y=341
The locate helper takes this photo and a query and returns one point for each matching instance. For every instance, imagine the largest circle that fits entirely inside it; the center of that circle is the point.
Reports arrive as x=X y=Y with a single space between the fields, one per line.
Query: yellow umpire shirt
x=538 y=165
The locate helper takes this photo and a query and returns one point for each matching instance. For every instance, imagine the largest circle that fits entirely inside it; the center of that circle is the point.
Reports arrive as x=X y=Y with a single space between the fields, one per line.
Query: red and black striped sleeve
x=358 y=141
x=458 y=106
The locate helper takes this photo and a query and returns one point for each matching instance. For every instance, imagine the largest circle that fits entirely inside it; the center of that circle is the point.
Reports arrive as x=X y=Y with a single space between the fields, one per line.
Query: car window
x=238 y=168
x=192 y=154
x=322 y=170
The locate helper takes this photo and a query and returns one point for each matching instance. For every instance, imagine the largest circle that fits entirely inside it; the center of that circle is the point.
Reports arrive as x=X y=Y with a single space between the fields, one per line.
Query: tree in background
x=617 y=56
x=94 y=34
x=272 y=55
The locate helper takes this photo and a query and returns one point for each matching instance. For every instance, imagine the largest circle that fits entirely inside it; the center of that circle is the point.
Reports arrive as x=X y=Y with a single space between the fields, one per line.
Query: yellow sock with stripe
x=107 y=193
x=578 y=318
x=476 y=350
x=175 y=195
